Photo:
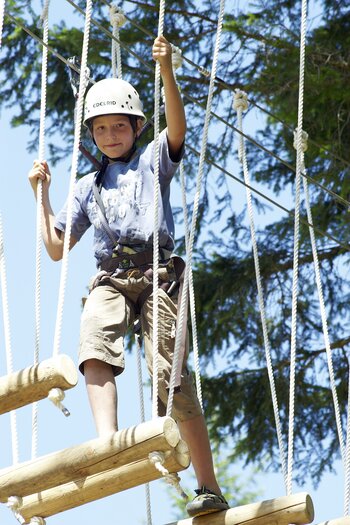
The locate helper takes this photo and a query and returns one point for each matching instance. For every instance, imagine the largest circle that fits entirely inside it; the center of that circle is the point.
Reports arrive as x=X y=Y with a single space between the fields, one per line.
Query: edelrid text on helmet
x=109 y=102
x=112 y=96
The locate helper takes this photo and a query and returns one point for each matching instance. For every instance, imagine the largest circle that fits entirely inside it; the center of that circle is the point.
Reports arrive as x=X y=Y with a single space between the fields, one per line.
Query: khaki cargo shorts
x=109 y=312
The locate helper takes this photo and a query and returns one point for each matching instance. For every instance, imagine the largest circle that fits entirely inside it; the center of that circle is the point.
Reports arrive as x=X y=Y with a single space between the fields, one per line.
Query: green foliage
x=259 y=54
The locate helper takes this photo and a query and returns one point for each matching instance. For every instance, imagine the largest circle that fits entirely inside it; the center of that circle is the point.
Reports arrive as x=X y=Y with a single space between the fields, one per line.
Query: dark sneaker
x=206 y=502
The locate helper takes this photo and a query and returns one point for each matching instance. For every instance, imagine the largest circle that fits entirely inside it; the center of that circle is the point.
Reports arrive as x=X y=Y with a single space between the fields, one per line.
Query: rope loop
x=56 y=395
x=117 y=16
x=240 y=100
x=304 y=140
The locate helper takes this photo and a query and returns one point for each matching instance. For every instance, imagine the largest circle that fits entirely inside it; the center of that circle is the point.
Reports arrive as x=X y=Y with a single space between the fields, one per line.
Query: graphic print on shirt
x=124 y=201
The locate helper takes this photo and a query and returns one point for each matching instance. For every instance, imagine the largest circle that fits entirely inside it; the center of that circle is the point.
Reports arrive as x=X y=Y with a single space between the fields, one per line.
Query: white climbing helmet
x=112 y=96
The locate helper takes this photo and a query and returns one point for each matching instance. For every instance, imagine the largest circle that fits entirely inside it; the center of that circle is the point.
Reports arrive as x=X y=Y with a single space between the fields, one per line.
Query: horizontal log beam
x=297 y=508
x=120 y=448
x=103 y=484
x=35 y=382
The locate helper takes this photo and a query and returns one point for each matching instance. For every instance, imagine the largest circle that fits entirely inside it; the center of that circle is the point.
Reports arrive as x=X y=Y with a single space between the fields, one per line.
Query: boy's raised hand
x=162 y=52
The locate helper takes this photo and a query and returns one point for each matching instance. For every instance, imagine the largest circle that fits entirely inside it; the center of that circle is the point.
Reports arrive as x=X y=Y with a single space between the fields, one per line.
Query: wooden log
x=100 y=485
x=297 y=508
x=337 y=521
x=124 y=446
x=35 y=382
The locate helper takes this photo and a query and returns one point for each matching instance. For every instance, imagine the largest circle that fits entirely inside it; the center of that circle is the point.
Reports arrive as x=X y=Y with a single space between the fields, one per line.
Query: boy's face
x=114 y=135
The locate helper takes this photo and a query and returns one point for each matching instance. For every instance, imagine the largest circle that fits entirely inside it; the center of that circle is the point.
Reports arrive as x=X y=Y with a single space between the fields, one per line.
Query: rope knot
x=117 y=16
x=56 y=395
x=240 y=100
x=36 y=520
x=304 y=138
x=176 y=57
x=15 y=503
x=158 y=458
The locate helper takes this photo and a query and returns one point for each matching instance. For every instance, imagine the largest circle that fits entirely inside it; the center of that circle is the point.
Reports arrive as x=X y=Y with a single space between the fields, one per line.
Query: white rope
x=36 y=520
x=41 y=156
x=177 y=61
x=83 y=80
x=296 y=248
x=118 y=19
x=344 y=452
x=192 y=295
x=304 y=139
x=56 y=395
x=157 y=459
x=2 y=13
x=142 y=418
x=183 y=305
x=14 y=503
x=347 y=454
x=241 y=104
x=155 y=331
x=7 y=335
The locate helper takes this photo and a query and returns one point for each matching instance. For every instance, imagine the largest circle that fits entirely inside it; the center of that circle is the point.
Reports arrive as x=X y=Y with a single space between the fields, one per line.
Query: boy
x=123 y=232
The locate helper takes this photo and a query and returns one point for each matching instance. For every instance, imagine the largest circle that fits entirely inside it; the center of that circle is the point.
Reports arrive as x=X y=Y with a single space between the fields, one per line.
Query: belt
x=122 y=259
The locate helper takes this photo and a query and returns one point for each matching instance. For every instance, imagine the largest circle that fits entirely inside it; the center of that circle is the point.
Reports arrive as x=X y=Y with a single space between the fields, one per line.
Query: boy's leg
x=209 y=497
x=194 y=432
x=102 y=393
x=105 y=319
x=186 y=409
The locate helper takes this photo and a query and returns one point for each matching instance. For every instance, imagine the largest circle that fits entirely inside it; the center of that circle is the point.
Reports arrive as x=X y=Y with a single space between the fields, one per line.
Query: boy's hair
x=132 y=118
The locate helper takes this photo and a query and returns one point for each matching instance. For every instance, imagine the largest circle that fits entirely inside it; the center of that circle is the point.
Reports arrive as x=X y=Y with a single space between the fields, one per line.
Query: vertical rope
x=156 y=224
x=7 y=335
x=41 y=156
x=321 y=299
x=192 y=295
x=183 y=305
x=142 y=418
x=117 y=20
x=347 y=456
x=177 y=62
x=2 y=13
x=240 y=105
x=83 y=81
x=345 y=453
x=296 y=248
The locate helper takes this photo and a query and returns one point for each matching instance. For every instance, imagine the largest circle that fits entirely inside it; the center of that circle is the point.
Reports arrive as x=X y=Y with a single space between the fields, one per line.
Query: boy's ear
x=138 y=127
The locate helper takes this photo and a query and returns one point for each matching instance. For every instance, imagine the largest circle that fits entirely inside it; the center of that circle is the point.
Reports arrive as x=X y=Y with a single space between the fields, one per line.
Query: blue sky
x=56 y=432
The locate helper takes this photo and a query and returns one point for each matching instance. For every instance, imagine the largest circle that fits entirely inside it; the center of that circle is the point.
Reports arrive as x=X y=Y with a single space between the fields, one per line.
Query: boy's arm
x=52 y=237
x=174 y=109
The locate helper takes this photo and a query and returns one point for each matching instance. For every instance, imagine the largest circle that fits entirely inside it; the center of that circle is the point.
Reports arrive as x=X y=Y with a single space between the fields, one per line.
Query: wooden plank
x=297 y=508
x=100 y=485
x=122 y=447
x=35 y=382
